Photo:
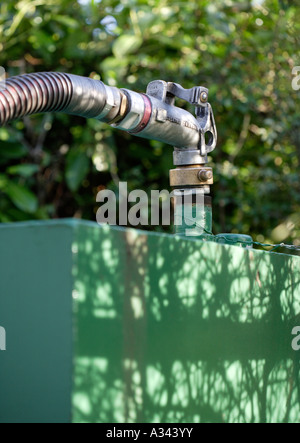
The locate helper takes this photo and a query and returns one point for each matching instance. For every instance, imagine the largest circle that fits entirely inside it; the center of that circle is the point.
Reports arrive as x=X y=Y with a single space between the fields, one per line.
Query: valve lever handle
x=197 y=96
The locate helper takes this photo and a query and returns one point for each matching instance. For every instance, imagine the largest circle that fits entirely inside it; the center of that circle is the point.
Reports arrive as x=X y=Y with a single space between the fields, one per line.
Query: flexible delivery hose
x=30 y=94
x=50 y=92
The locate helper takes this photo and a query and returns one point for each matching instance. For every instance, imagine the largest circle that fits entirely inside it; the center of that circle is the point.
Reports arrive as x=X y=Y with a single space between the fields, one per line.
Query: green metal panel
x=36 y=312
x=174 y=330
x=164 y=329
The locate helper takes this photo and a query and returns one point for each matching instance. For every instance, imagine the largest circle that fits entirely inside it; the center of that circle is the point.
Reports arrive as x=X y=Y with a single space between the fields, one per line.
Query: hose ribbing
x=34 y=93
x=53 y=92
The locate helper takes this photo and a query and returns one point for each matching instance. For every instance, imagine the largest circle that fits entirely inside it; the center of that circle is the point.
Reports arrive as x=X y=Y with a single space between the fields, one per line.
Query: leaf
x=77 y=168
x=3 y=181
x=126 y=44
x=26 y=170
x=22 y=197
x=69 y=22
x=12 y=150
x=4 y=134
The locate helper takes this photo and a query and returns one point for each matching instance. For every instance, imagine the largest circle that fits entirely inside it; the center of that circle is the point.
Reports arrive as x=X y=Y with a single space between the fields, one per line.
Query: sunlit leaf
x=67 y=21
x=126 y=44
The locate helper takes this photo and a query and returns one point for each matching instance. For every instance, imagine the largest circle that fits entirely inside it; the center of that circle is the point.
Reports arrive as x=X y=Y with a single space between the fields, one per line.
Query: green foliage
x=243 y=51
x=76 y=169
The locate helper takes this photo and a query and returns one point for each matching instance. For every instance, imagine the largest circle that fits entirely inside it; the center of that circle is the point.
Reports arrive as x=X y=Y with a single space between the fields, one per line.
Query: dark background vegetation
x=243 y=51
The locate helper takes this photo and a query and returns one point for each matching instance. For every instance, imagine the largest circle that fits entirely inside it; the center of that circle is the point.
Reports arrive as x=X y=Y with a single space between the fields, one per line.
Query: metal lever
x=198 y=96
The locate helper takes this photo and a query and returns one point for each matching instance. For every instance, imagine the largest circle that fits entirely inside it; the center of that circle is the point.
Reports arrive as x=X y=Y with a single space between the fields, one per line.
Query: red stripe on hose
x=146 y=117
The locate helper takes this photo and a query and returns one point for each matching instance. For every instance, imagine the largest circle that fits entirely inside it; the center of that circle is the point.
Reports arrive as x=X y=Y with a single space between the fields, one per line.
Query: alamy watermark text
x=137 y=208
x=296 y=340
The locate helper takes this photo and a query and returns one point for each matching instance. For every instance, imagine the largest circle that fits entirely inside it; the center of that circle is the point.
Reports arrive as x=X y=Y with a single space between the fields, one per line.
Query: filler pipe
x=140 y=114
x=152 y=116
